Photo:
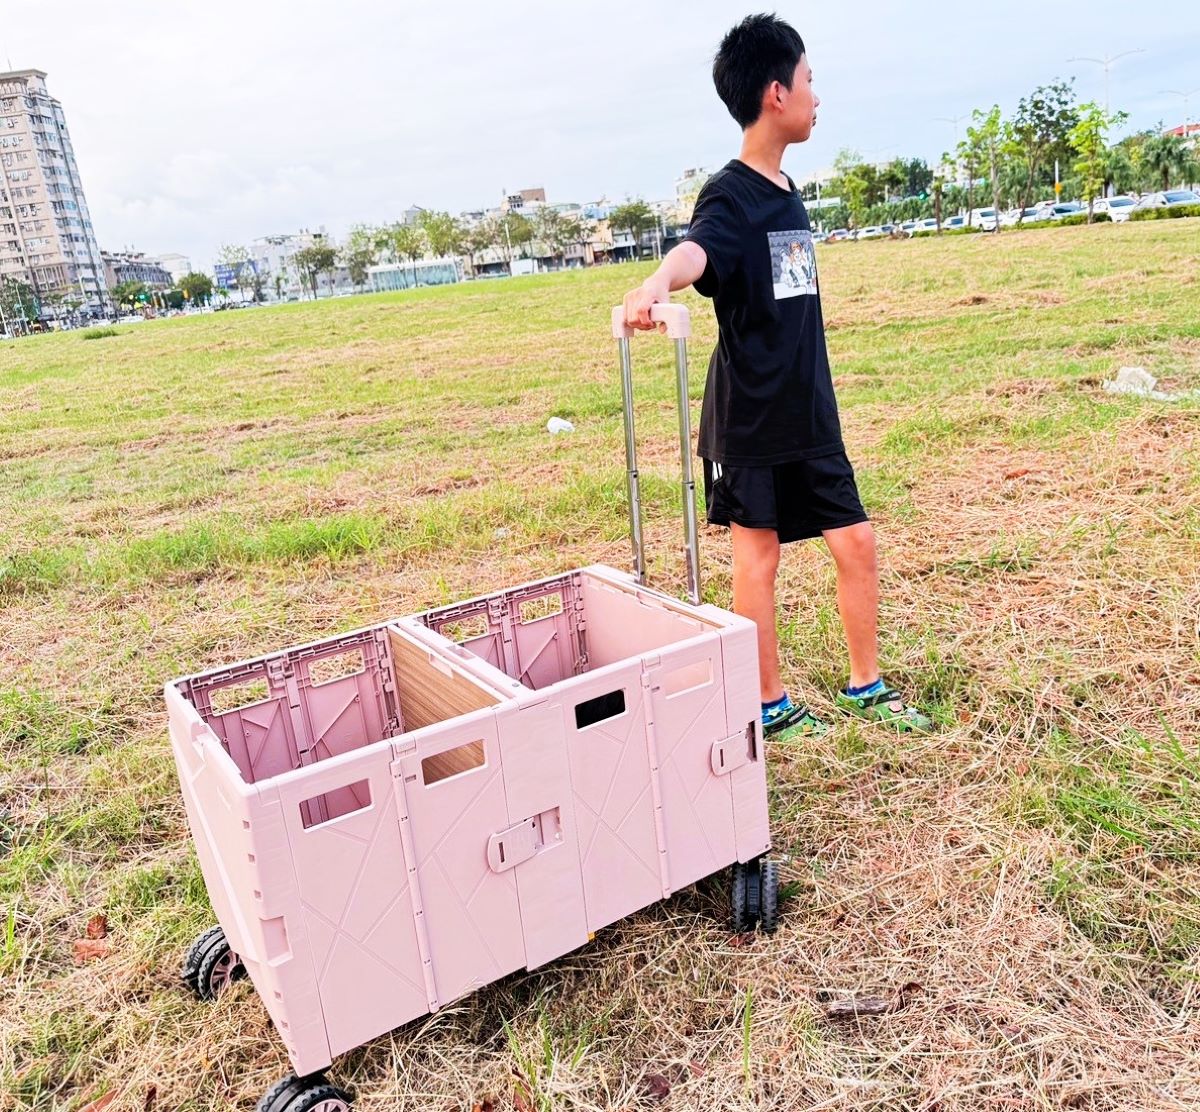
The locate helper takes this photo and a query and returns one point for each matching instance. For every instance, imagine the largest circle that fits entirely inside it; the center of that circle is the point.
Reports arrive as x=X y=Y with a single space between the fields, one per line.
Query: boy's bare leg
x=853 y=550
x=755 y=562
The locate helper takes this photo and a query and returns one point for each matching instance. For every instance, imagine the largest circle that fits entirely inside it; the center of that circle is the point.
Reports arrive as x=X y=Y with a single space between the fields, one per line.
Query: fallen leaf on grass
x=88 y=949
x=1020 y=473
x=656 y=1087
x=100 y=1103
x=151 y=1098
x=696 y=1068
x=97 y=926
x=521 y=1098
x=870 y=1005
x=484 y=1105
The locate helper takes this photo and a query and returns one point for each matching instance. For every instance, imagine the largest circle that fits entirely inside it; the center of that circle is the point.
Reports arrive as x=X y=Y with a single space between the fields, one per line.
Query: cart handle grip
x=675 y=317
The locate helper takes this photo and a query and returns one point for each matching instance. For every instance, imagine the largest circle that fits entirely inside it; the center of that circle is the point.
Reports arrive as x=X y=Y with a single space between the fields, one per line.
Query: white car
x=1169 y=197
x=1118 y=208
x=874 y=231
x=985 y=218
x=1066 y=208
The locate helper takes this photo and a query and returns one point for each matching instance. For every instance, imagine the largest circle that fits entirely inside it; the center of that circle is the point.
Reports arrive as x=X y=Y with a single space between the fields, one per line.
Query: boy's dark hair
x=759 y=50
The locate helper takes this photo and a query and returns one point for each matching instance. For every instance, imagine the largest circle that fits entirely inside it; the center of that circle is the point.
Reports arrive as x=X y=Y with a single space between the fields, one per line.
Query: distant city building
x=175 y=265
x=133 y=266
x=273 y=257
x=687 y=189
x=1188 y=131
x=423 y=272
x=412 y=215
x=523 y=202
x=46 y=236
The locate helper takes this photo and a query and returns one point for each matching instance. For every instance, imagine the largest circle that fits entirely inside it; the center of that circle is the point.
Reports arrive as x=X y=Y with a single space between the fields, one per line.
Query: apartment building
x=133 y=266
x=46 y=236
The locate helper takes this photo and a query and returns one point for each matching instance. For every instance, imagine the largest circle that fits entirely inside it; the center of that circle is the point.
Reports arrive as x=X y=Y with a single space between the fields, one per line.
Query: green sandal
x=796 y=721
x=888 y=707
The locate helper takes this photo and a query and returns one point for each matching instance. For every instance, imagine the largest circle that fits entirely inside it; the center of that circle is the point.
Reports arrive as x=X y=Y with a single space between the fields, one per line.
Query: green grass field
x=194 y=491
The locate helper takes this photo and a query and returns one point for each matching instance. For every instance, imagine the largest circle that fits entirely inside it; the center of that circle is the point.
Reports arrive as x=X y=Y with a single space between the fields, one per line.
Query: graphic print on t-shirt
x=793 y=263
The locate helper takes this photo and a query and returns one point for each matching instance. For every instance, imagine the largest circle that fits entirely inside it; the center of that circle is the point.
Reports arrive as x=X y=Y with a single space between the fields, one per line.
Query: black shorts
x=798 y=500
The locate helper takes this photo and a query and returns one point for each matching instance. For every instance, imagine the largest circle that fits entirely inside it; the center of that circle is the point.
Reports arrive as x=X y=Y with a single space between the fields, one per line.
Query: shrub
x=974 y=228
x=100 y=333
x=1081 y=218
x=1165 y=212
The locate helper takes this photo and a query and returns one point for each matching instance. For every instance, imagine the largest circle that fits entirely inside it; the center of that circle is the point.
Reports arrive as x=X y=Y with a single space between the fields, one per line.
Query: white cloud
x=197 y=123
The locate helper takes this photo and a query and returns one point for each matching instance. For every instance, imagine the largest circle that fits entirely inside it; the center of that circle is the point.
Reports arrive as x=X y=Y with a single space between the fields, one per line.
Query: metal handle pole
x=689 y=485
x=678 y=327
x=635 y=501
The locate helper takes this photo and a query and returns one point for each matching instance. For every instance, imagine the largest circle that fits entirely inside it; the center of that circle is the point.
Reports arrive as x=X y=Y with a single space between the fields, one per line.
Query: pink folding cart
x=390 y=819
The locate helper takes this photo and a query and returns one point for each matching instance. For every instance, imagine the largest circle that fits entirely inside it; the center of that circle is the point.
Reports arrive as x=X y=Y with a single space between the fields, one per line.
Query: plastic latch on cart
x=731 y=753
x=510 y=848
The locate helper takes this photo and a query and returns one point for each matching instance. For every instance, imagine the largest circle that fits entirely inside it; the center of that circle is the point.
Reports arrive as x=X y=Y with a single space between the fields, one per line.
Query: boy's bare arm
x=681 y=266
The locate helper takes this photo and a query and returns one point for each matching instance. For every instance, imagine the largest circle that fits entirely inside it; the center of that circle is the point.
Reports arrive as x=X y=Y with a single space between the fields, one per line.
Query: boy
x=775 y=469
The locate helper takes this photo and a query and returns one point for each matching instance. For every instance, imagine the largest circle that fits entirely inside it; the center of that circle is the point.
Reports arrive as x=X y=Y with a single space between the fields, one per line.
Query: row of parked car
x=1118 y=209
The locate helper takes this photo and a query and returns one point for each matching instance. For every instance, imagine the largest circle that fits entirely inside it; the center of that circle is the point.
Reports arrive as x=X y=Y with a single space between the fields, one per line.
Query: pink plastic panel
x=531 y=633
x=471 y=914
x=688 y=717
x=355 y=901
x=537 y=779
x=624 y=623
x=247 y=866
x=614 y=800
x=308 y=704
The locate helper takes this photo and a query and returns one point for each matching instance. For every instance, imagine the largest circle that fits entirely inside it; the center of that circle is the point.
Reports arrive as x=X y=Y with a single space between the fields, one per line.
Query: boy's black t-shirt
x=769 y=397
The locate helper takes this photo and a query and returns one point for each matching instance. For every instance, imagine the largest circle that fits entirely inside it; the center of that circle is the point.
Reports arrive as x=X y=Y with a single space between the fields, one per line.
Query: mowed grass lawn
x=1023 y=886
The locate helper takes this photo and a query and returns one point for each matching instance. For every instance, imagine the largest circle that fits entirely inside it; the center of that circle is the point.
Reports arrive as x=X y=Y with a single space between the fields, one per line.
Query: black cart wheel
x=754 y=895
x=307 y=1094
x=211 y=965
x=276 y=1098
x=768 y=915
x=740 y=919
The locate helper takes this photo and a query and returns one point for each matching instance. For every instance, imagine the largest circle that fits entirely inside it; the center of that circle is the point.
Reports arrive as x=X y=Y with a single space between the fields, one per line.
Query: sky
x=202 y=123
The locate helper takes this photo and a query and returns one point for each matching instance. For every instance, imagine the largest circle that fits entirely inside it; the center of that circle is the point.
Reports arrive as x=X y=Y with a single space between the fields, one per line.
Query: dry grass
x=1021 y=887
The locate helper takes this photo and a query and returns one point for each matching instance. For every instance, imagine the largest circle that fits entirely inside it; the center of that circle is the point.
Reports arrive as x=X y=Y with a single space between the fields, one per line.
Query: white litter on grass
x=1140 y=382
x=557 y=424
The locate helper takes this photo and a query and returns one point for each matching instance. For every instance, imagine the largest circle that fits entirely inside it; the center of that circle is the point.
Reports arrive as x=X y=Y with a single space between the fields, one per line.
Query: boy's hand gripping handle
x=679 y=328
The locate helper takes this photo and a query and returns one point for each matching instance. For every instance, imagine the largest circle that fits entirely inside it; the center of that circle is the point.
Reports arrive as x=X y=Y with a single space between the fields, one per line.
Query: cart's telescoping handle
x=679 y=328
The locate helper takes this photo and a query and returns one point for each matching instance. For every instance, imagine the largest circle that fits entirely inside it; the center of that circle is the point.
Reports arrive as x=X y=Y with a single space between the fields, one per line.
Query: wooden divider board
x=430 y=691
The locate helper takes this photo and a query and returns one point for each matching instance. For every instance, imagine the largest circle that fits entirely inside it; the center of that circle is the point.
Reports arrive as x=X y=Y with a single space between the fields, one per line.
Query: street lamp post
x=1107 y=62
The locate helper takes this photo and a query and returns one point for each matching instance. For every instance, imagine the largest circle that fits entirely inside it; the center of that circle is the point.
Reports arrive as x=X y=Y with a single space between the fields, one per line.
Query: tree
x=634 y=217
x=920 y=177
x=18 y=304
x=1166 y=155
x=237 y=258
x=130 y=294
x=1041 y=130
x=857 y=183
x=196 y=288
x=443 y=232
x=477 y=239
x=894 y=178
x=1088 y=139
x=511 y=233
x=360 y=253
x=406 y=241
x=312 y=262
x=558 y=231
x=989 y=136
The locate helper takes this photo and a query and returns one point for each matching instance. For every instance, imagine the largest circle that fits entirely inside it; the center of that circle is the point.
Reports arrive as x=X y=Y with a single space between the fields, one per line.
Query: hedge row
x=1165 y=212
x=964 y=230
